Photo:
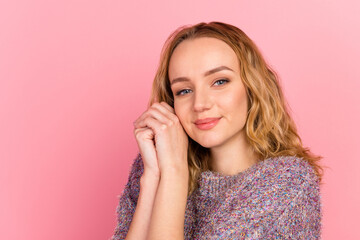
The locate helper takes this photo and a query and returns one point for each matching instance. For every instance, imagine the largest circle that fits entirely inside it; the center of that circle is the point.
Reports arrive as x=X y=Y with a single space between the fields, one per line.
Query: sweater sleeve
x=301 y=219
x=128 y=199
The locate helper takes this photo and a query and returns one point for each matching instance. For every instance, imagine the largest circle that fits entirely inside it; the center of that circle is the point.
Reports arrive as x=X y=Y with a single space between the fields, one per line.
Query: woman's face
x=205 y=80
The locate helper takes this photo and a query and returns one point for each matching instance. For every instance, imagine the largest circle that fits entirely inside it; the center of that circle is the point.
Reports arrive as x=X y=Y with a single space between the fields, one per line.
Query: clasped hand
x=161 y=138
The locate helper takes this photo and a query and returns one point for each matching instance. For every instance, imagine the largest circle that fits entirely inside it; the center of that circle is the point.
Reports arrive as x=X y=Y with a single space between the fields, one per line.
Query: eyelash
x=223 y=79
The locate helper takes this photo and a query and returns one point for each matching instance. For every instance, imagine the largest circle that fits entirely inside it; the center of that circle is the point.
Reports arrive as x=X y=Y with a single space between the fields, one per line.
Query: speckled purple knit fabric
x=278 y=198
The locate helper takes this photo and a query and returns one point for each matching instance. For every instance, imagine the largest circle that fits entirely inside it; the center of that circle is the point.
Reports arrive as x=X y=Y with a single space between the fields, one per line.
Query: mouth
x=205 y=120
x=206 y=123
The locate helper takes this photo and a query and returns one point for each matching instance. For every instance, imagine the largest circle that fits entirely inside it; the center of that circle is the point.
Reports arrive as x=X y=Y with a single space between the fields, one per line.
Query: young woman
x=219 y=155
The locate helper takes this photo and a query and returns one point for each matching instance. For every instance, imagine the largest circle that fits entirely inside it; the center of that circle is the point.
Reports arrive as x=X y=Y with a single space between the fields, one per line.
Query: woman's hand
x=145 y=139
x=161 y=138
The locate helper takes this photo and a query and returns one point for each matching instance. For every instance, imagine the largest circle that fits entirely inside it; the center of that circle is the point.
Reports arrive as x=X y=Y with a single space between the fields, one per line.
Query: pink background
x=75 y=74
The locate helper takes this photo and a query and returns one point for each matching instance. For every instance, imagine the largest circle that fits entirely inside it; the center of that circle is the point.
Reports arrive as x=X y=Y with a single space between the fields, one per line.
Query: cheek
x=236 y=101
x=180 y=112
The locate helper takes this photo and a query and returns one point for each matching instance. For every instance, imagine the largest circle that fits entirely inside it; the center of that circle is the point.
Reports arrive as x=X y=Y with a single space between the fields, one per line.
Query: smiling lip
x=206 y=123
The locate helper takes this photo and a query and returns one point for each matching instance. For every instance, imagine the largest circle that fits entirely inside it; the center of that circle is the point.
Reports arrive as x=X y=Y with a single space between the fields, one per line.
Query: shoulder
x=277 y=188
x=137 y=164
x=288 y=170
x=300 y=199
x=277 y=181
x=281 y=182
x=135 y=173
x=287 y=180
x=137 y=167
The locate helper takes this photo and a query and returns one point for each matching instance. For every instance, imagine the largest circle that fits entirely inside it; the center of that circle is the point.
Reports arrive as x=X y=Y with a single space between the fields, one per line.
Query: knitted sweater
x=277 y=198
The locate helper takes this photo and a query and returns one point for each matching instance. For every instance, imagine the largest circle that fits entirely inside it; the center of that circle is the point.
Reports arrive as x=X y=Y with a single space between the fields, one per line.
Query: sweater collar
x=214 y=184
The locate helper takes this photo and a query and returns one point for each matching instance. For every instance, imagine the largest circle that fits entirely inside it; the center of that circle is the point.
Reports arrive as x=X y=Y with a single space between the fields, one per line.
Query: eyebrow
x=207 y=73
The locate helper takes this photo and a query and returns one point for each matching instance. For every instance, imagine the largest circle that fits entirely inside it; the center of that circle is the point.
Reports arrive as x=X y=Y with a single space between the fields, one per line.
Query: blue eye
x=224 y=80
x=220 y=81
x=181 y=91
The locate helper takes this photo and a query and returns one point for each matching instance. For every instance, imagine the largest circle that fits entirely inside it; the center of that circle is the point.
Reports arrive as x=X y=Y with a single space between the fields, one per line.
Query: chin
x=207 y=142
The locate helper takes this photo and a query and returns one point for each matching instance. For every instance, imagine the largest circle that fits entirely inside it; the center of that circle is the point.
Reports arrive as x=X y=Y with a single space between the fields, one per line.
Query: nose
x=202 y=101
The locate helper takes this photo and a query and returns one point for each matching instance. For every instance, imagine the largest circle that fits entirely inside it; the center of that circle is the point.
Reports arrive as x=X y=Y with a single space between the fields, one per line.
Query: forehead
x=196 y=56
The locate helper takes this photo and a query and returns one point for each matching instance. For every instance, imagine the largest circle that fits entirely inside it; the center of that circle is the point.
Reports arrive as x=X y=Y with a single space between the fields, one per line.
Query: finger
x=171 y=109
x=146 y=132
x=160 y=115
x=152 y=123
x=166 y=110
x=141 y=130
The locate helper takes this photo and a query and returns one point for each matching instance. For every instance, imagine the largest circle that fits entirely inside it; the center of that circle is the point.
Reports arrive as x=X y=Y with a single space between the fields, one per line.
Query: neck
x=232 y=157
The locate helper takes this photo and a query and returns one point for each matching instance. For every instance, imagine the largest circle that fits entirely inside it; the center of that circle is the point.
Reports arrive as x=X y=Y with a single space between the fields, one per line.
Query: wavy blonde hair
x=270 y=129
